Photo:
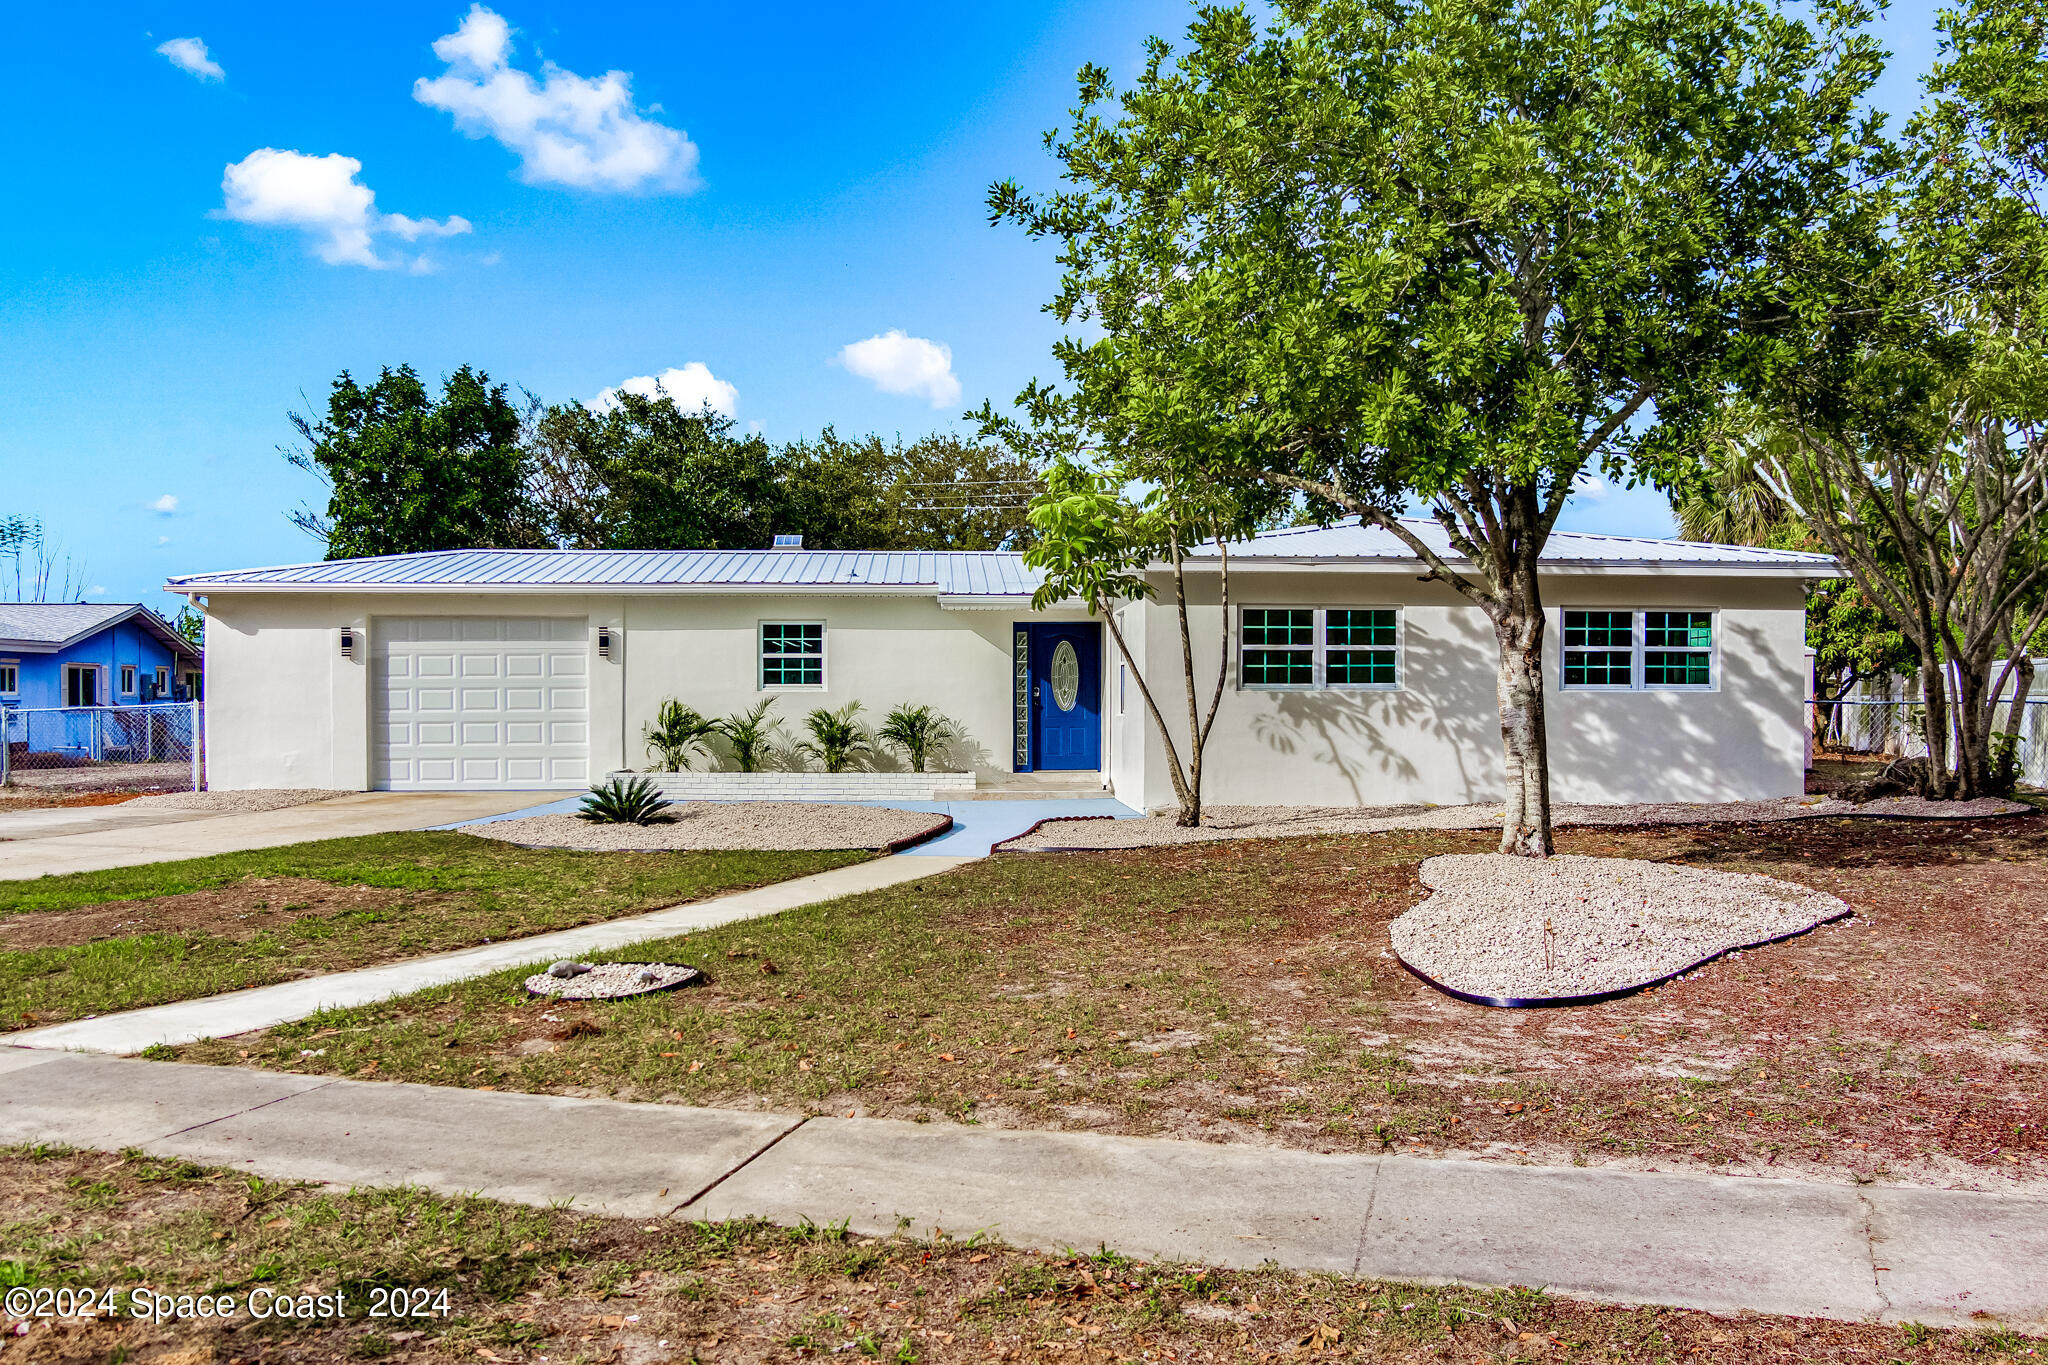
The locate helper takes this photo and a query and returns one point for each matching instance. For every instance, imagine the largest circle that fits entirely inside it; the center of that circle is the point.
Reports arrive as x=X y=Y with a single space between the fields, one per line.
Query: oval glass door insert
x=1066 y=675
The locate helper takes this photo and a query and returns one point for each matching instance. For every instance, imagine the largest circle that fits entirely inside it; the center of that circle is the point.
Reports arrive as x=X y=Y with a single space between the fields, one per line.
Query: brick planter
x=805 y=786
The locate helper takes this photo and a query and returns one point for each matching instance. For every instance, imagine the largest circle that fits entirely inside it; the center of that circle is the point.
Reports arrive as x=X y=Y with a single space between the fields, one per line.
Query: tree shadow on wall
x=1446 y=696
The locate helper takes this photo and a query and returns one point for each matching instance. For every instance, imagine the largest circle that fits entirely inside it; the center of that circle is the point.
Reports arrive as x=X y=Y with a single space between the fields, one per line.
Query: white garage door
x=477 y=701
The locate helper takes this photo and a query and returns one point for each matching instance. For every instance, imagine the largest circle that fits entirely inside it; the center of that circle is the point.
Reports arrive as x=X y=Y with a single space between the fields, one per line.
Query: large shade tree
x=409 y=470
x=1908 y=416
x=1384 y=254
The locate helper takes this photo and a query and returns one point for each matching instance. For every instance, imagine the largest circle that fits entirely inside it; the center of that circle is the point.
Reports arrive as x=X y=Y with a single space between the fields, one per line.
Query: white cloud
x=165 y=505
x=190 y=54
x=896 y=363
x=568 y=129
x=689 y=388
x=163 y=540
x=1591 y=485
x=321 y=195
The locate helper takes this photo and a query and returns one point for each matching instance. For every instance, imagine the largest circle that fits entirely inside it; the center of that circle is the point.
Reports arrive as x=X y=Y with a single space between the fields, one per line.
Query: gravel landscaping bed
x=1277 y=822
x=723 y=824
x=1521 y=929
x=238 y=802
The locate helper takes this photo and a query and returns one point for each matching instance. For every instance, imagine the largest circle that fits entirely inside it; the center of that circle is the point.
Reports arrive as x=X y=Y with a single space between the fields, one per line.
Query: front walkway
x=101 y=840
x=222 y=1016
x=1870 y=1253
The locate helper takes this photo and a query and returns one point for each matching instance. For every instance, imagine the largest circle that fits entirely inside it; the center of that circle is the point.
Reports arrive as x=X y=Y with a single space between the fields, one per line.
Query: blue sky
x=190 y=259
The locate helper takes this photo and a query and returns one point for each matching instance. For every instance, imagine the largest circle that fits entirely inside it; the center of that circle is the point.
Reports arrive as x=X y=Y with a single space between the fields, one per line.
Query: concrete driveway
x=40 y=843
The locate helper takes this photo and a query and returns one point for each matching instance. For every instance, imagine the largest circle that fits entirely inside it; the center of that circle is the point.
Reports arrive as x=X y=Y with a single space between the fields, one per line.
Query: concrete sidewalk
x=1873 y=1253
x=222 y=1016
x=167 y=836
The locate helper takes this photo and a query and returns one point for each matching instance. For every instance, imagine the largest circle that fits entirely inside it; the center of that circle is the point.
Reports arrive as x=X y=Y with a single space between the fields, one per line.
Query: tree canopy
x=408 y=470
x=1383 y=252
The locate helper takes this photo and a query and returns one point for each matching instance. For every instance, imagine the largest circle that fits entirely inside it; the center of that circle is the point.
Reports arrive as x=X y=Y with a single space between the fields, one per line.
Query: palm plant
x=623 y=802
x=676 y=732
x=748 y=733
x=918 y=733
x=837 y=739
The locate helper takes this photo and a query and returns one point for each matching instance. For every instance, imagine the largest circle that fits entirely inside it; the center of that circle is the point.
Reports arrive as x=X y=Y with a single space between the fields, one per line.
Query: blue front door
x=1066 y=697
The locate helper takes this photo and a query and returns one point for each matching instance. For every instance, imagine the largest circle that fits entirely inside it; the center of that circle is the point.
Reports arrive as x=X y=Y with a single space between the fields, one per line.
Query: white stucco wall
x=286 y=710
x=1437 y=738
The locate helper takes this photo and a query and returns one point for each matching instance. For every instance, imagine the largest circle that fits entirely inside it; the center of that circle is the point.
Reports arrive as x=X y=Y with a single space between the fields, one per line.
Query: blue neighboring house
x=92 y=654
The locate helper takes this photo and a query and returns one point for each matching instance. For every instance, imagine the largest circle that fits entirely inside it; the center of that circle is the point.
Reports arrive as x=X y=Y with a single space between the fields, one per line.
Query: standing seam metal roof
x=948 y=573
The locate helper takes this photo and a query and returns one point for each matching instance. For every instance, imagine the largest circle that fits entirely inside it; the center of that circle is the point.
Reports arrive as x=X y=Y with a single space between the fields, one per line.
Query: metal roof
x=1348 y=541
x=960 y=575
x=947 y=573
x=45 y=627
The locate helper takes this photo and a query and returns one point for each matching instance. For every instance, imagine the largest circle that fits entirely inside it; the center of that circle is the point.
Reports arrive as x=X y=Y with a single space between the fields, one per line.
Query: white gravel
x=1613 y=923
x=612 y=981
x=1275 y=822
x=722 y=824
x=238 y=803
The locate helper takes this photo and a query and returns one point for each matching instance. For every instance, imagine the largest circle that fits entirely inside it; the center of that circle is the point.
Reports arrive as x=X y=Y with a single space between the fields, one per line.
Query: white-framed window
x=1606 y=650
x=792 y=654
x=10 y=678
x=127 y=680
x=1301 y=649
x=81 y=685
x=163 y=683
x=193 y=679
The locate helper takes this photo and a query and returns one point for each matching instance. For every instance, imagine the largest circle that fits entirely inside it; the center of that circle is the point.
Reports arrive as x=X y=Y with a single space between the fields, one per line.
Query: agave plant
x=677 y=732
x=748 y=733
x=837 y=739
x=623 y=801
x=918 y=733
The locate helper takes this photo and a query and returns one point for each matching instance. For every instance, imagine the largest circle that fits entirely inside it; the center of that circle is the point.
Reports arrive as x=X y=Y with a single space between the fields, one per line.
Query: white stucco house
x=1675 y=671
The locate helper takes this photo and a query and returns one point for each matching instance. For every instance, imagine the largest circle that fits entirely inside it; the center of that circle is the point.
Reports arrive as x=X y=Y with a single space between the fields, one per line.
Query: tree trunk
x=1975 y=718
x=1518 y=627
x=1938 y=783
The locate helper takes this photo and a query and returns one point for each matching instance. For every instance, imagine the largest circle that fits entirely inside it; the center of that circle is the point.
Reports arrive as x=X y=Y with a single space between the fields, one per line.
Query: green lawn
x=1243 y=992
x=237 y=920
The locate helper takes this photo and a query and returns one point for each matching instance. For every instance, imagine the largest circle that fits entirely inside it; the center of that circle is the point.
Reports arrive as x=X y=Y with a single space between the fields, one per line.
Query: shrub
x=748 y=733
x=837 y=739
x=623 y=801
x=918 y=733
x=678 y=730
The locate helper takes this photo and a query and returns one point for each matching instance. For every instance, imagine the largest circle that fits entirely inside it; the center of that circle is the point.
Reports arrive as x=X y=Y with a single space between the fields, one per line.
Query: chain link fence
x=1892 y=729
x=155 y=747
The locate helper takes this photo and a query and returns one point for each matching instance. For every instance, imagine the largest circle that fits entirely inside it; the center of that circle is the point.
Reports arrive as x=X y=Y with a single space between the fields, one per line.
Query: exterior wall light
x=604 y=642
x=348 y=642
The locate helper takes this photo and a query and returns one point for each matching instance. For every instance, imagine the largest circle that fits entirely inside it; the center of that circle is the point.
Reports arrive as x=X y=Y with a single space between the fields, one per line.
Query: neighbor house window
x=163 y=682
x=10 y=679
x=192 y=681
x=1639 y=650
x=792 y=654
x=1305 y=648
x=127 y=680
x=81 y=685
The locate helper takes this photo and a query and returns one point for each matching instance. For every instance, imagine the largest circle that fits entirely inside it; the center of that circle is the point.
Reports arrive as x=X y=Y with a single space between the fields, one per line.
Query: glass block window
x=1279 y=647
x=1304 y=648
x=1360 y=648
x=1678 y=649
x=1599 y=649
x=1636 y=650
x=793 y=654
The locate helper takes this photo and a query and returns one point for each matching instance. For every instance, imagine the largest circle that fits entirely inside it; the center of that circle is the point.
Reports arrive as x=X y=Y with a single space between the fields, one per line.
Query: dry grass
x=1243 y=993
x=526 y=1285
x=94 y=942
